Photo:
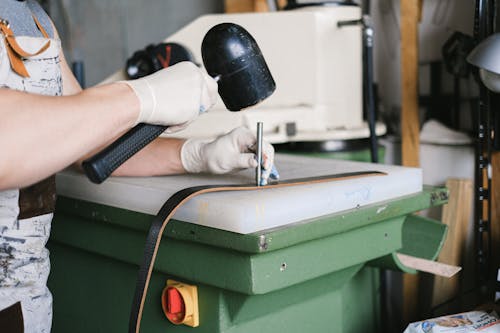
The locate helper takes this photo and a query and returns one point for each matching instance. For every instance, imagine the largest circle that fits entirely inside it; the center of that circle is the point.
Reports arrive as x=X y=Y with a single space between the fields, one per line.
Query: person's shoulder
x=41 y=15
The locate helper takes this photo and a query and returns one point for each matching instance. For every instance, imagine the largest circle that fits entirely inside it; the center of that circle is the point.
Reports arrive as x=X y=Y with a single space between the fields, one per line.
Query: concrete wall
x=104 y=33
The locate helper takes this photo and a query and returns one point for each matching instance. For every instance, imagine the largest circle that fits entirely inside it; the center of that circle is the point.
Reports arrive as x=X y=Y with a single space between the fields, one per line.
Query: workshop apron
x=26 y=215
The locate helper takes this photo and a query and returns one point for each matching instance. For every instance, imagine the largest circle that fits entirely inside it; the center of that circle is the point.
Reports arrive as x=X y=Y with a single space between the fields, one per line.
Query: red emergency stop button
x=175 y=305
x=180 y=303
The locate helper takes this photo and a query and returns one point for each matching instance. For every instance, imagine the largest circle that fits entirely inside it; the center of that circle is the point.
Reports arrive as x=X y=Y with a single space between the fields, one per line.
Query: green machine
x=301 y=259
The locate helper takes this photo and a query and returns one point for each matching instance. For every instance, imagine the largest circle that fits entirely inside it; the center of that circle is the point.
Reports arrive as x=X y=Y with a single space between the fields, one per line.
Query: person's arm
x=40 y=135
x=160 y=157
x=227 y=153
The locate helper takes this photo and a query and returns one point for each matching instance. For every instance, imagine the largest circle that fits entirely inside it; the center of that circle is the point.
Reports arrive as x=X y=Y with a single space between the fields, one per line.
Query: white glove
x=174 y=96
x=229 y=152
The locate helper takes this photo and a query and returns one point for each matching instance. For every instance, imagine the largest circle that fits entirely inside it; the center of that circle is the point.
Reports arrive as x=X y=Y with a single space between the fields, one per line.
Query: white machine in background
x=317 y=67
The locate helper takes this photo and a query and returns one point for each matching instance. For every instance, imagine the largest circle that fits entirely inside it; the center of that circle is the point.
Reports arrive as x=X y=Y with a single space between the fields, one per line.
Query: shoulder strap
x=41 y=18
x=40 y=27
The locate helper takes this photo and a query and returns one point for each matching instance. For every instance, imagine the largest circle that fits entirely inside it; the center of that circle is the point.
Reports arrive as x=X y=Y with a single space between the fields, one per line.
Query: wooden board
x=456 y=215
x=429 y=266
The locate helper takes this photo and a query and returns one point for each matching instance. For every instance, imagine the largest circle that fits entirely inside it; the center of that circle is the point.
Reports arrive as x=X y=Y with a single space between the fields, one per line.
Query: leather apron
x=26 y=215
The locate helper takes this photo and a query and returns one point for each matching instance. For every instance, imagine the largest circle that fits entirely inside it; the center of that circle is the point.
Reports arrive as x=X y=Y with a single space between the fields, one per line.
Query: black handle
x=101 y=165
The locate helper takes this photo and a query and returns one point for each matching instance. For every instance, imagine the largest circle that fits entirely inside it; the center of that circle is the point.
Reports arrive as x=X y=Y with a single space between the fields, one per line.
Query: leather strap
x=16 y=53
x=40 y=27
x=37 y=199
x=180 y=198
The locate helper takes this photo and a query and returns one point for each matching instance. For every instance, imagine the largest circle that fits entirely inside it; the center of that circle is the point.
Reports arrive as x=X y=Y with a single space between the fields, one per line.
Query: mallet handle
x=101 y=165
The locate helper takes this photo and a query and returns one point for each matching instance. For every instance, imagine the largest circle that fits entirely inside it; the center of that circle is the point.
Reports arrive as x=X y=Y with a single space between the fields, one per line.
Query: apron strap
x=15 y=52
x=41 y=28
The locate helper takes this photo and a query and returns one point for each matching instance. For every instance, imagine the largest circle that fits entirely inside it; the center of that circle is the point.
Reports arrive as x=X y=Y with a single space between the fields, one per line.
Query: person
x=47 y=123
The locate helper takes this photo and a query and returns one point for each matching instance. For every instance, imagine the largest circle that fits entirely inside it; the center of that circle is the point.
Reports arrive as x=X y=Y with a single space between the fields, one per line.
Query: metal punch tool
x=258 y=173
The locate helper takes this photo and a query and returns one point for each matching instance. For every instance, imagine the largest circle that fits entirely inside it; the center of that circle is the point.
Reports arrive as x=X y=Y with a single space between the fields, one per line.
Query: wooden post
x=457 y=216
x=410 y=127
x=241 y=6
x=261 y=6
x=495 y=210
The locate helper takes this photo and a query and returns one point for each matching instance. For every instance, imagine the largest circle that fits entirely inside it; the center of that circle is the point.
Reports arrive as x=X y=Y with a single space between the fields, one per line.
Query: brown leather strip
x=16 y=53
x=180 y=198
x=38 y=199
x=16 y=63
x=11 y=40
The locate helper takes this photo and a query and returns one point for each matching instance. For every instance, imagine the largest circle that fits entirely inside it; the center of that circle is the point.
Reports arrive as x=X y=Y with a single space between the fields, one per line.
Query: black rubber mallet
x=231 y=55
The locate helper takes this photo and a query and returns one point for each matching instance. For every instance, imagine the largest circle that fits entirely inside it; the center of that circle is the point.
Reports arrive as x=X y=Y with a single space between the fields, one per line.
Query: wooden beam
x=261 y=6
x=457 y=216
x=495 y=211
x=410 y=128
x=241 y=6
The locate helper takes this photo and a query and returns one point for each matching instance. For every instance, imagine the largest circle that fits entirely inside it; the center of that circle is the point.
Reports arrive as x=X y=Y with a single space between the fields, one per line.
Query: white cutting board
x=250 y=211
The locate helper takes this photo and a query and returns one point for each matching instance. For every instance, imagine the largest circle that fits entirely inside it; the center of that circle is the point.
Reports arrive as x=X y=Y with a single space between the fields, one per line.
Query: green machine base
x=316 y=276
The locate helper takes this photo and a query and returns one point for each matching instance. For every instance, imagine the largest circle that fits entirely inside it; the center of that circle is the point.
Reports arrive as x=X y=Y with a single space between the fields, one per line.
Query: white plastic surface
x=251 y=211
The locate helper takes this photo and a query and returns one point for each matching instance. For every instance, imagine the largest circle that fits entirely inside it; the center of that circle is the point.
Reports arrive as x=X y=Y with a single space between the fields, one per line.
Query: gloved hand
x=174 y=96
x=229 y=152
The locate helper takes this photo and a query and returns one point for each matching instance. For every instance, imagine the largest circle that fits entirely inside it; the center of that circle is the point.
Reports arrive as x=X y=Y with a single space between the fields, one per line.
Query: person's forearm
x=160 y=157
x=40 y=135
